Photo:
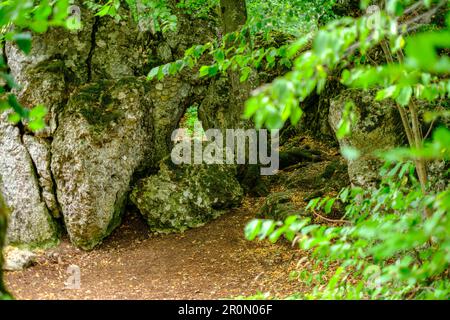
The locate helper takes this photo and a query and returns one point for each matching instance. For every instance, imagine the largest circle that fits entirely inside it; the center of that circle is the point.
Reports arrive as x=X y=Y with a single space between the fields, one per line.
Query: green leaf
x=38 y=112
x=289 y=220
x=329 y=205
x=153 y=73
x=36 y=125
x=245 y=72
x=213 y=70
x=274 y=236
x=23 y=40
x=386 y=93
x=14 y=118
x=251 y=106
x=103 y=11
x=344 y=195
x=266 y=228
x=350 y=153
x=296 y=114
x=219 y=55
x=39 y=26
x=204 y=71
x=252 y=229
x=404 y=96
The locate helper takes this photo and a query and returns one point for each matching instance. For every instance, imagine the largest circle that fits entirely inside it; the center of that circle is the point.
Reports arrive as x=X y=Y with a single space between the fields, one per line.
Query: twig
x=426 y=15
x=412 y=8
x=330 y=220
x=429 y=130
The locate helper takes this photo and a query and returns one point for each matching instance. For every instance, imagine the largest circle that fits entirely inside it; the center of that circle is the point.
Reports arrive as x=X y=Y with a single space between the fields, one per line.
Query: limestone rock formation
x=104 y=135
x=377 y=128
x=72 y=48
x=30 y=221
x=186 y=196
x=169 y=98
x=40 y=153
x=106 y=124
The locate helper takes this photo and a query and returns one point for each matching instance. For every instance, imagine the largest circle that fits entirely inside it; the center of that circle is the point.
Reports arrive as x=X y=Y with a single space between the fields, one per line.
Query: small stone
x=17 y=259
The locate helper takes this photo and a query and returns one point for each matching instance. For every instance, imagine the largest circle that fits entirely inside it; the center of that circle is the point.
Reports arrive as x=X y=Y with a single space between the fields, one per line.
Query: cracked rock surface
x=105 y=124
x=30 y=221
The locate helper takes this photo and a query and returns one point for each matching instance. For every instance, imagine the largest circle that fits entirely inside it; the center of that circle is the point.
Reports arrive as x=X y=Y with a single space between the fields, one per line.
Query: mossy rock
x=186 y=196
x=104 y=137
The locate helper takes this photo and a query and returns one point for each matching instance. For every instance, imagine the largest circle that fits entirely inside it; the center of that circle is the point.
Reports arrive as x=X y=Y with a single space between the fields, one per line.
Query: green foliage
x=191 y=122
x=335 y=46
x=393 y=244
x=255 y=45
x=296 y=17
x=198 y=8
x=156 y=12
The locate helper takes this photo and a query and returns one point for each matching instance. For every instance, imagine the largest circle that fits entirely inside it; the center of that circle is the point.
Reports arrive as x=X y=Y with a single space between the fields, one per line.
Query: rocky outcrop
x=71 y=48
x=377 y=128
x=186 y=196
x=30 y=221
x=105 y=133
x=105 y=122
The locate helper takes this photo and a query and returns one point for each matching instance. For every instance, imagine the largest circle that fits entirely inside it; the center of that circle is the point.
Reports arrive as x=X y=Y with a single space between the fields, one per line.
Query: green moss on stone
x=95 y=103
x=187 y=196
x=55 y=66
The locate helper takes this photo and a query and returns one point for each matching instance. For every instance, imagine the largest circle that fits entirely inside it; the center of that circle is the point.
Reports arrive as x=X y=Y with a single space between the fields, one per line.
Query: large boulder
x=104 y=135
x=186 y=196
x=377 y=128
x=30 y=220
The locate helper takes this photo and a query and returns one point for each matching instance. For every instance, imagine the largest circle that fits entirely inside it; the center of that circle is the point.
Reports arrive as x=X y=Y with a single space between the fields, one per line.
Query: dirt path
x=214 y=261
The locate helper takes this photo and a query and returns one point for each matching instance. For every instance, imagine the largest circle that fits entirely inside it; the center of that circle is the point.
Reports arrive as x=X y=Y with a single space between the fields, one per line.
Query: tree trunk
x=226 y=98
x=234 y=14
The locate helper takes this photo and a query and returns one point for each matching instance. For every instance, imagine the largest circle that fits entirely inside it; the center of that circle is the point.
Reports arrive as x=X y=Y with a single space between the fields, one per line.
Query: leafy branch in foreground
x=420 y=74
x=332 y=48
x=384 y=246
x=393 y=241
x=257 y=45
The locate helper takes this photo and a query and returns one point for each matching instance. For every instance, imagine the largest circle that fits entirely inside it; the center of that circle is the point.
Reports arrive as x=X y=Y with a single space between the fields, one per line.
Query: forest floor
x=210 y=262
